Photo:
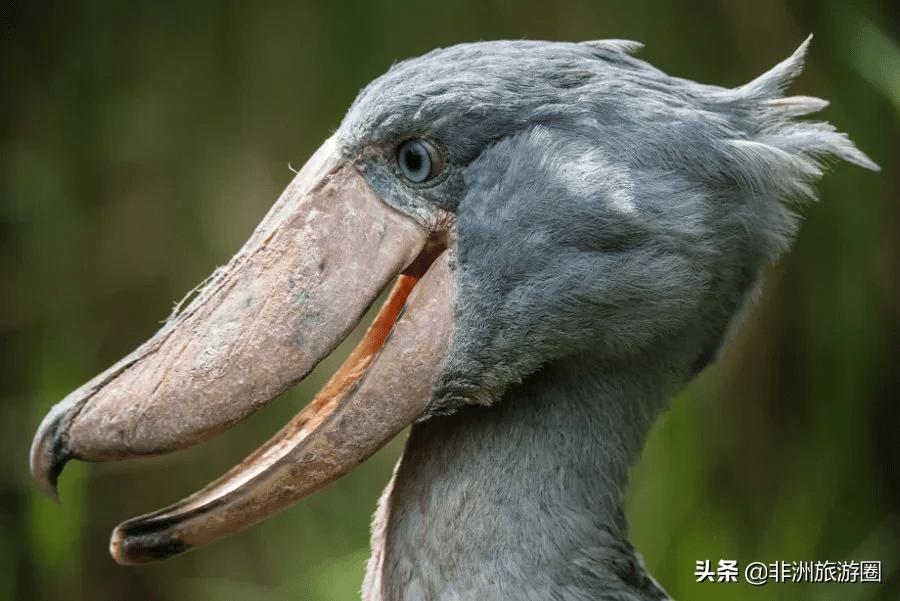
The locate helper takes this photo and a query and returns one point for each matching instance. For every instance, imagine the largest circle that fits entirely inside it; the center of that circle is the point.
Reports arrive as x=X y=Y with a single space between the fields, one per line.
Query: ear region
x=555 y=256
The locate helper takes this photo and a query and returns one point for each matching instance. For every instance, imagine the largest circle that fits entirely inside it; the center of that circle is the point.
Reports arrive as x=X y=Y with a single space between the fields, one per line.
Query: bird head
x=530 y=201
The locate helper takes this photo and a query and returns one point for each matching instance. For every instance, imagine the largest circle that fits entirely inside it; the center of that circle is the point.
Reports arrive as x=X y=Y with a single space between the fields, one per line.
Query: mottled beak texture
x=296 y=289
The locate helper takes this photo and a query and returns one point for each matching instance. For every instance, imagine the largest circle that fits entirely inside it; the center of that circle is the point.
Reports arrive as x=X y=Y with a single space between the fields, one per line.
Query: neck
x=522 y=500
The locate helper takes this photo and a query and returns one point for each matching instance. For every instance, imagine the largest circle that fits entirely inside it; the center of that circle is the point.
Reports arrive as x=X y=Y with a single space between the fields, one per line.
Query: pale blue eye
x=415 y=160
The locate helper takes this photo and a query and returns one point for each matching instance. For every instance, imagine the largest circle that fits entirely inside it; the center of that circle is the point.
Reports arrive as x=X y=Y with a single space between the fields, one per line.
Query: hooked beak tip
x=49 y=453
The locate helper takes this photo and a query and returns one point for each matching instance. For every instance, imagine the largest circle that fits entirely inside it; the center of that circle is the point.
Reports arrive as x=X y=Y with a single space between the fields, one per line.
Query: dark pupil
x=413 y=159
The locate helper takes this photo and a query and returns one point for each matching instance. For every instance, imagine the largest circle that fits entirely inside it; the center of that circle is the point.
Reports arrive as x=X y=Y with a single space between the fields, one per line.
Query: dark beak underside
x=260 y=324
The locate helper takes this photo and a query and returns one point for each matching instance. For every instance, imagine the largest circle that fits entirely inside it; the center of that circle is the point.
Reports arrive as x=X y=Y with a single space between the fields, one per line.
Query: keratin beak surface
x=300 y=284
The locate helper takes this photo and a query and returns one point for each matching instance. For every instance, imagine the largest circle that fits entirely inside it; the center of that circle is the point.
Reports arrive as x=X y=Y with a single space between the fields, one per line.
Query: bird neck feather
x=523 y=499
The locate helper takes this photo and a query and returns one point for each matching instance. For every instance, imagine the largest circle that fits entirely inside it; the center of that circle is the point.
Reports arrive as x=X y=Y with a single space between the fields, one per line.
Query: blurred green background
x=140 y=144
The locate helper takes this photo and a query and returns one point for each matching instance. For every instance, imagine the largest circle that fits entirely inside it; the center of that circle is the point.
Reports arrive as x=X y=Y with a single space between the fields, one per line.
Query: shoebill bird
x=571 y=234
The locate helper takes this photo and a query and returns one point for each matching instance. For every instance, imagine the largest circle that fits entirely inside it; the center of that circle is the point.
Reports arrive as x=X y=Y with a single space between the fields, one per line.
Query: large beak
x=296 y=289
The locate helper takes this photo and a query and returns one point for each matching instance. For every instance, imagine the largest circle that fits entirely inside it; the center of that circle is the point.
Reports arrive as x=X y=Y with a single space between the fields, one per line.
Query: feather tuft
x=623 y=46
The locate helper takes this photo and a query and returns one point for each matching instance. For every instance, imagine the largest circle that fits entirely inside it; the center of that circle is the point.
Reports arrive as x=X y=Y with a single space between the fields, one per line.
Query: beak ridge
x=260 y=324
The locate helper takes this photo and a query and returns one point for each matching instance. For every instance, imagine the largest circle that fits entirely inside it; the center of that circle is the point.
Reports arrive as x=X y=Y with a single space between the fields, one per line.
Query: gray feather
x=626 y=46
x=612 y=223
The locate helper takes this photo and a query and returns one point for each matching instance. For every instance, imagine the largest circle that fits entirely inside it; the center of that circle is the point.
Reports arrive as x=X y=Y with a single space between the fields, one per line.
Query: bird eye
x=419 y=160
